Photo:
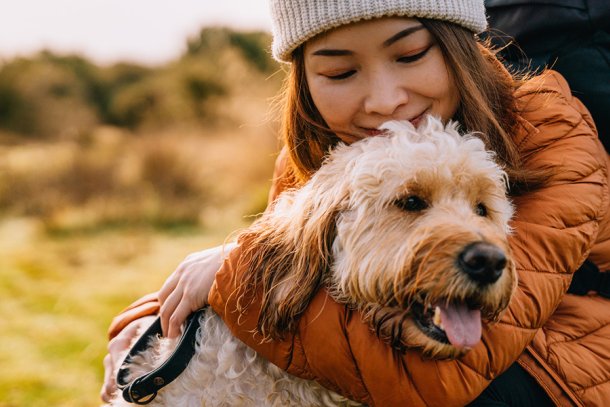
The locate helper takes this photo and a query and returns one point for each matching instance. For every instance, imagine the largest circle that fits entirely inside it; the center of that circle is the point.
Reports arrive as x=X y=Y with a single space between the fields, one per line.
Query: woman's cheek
x=334 y=107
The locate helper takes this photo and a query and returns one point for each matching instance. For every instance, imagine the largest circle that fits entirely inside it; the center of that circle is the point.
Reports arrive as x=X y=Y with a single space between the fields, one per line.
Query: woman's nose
x=385 y=95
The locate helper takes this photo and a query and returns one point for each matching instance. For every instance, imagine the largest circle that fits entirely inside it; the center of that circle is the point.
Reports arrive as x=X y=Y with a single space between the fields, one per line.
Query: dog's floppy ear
x=288 y=254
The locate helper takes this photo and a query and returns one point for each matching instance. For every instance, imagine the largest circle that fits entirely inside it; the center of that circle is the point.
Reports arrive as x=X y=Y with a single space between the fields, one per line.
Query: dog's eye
x=412 y=203
x=481 y=210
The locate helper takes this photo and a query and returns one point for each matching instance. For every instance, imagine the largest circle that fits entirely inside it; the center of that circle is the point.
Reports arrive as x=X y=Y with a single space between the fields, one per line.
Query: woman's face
x=364 y=74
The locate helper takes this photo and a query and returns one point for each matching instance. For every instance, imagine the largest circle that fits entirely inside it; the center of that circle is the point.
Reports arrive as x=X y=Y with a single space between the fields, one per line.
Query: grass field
x=58 y=294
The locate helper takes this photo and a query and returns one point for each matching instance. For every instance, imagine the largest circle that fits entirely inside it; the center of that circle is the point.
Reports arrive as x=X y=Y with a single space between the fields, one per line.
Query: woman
x=357 y=64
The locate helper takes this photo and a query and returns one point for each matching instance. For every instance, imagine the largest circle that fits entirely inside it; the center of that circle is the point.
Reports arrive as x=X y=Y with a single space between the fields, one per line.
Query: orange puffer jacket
x=562 y=340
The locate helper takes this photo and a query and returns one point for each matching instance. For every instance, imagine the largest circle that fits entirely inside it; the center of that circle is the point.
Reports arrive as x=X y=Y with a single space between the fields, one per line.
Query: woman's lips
x=377 y=132
x=416 y=120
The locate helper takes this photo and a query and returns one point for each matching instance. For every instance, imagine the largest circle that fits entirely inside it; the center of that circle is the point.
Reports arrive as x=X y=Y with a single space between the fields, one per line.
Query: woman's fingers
x=168 y=308
x=182 y=311
x=170 y=284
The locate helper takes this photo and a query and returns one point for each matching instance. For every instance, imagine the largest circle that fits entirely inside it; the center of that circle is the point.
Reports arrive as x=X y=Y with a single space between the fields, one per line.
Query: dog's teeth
x=437 y=317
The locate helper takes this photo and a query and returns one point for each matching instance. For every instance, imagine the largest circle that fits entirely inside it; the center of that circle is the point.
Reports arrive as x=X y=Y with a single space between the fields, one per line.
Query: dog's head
x=410 y=227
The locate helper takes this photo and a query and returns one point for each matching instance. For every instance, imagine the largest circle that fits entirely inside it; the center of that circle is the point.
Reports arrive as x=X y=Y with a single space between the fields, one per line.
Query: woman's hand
x=187 y=289
x=117 y=350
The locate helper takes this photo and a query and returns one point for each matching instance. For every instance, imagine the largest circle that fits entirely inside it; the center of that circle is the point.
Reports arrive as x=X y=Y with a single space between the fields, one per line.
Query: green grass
x=58 y=295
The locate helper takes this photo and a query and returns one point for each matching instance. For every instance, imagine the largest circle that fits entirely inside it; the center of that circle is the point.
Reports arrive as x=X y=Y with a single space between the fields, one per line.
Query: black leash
x=143 y=389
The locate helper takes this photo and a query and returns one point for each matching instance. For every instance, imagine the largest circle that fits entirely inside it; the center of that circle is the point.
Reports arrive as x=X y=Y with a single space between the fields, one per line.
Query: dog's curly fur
x=382 y=225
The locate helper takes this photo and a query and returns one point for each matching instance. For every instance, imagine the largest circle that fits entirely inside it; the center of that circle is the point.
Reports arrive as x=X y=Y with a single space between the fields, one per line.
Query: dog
x=410 y=227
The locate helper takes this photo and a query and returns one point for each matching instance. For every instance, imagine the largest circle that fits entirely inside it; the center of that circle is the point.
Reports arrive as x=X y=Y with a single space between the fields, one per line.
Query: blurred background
x=132 y=133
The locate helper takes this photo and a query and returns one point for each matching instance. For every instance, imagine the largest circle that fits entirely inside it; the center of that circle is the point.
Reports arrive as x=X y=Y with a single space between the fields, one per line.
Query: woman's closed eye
x=415 y=57
x=342 y=75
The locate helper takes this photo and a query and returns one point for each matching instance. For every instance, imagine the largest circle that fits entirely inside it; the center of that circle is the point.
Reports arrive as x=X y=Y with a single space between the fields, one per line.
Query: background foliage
x=109 y=177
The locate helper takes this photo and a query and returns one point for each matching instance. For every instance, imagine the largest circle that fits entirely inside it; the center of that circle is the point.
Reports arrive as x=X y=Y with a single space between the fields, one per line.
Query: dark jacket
x=569 y=36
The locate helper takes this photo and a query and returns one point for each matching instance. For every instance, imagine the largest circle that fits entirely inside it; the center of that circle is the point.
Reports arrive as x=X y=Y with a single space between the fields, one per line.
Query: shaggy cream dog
x=410 y=227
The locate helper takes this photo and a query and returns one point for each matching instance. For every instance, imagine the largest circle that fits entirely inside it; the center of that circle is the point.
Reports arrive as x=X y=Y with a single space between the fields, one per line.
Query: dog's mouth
x=451 y=323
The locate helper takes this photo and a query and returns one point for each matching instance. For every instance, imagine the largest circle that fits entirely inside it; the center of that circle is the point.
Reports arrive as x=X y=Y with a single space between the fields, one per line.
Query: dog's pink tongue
x=461 y=324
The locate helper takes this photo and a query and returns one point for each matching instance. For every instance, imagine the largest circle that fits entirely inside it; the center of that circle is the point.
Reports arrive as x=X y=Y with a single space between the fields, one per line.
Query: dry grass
x=166 y=178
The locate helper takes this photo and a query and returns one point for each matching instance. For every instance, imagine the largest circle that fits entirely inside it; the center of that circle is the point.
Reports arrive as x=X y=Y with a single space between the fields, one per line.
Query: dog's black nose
x=483 y=262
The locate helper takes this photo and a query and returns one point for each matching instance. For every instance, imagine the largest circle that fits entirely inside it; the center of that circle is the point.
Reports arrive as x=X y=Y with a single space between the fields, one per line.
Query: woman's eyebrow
x=404 y=33
x=332 y=52
x=343 y=52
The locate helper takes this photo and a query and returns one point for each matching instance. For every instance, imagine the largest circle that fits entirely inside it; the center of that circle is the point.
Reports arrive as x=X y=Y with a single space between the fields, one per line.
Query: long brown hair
x=487 y=105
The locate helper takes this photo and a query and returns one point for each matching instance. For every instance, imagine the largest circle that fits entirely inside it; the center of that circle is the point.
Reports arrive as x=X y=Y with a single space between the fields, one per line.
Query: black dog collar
x=144 y=389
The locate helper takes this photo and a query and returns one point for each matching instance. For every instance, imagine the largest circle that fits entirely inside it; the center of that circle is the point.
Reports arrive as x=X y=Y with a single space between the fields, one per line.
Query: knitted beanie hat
x=296 y=21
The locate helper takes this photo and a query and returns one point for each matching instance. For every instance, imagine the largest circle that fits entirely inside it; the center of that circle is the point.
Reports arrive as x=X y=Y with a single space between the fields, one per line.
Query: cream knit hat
x=296 y=21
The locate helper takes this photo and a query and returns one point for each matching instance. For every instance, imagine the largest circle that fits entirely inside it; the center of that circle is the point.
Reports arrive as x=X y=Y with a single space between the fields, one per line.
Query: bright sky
x=144 y=31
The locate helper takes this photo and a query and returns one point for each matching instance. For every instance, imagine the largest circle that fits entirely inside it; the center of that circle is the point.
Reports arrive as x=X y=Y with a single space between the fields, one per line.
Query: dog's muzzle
x=457 y=322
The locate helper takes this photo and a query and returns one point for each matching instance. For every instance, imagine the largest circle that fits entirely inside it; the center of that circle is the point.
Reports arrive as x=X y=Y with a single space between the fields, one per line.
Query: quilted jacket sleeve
x=555 y=228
